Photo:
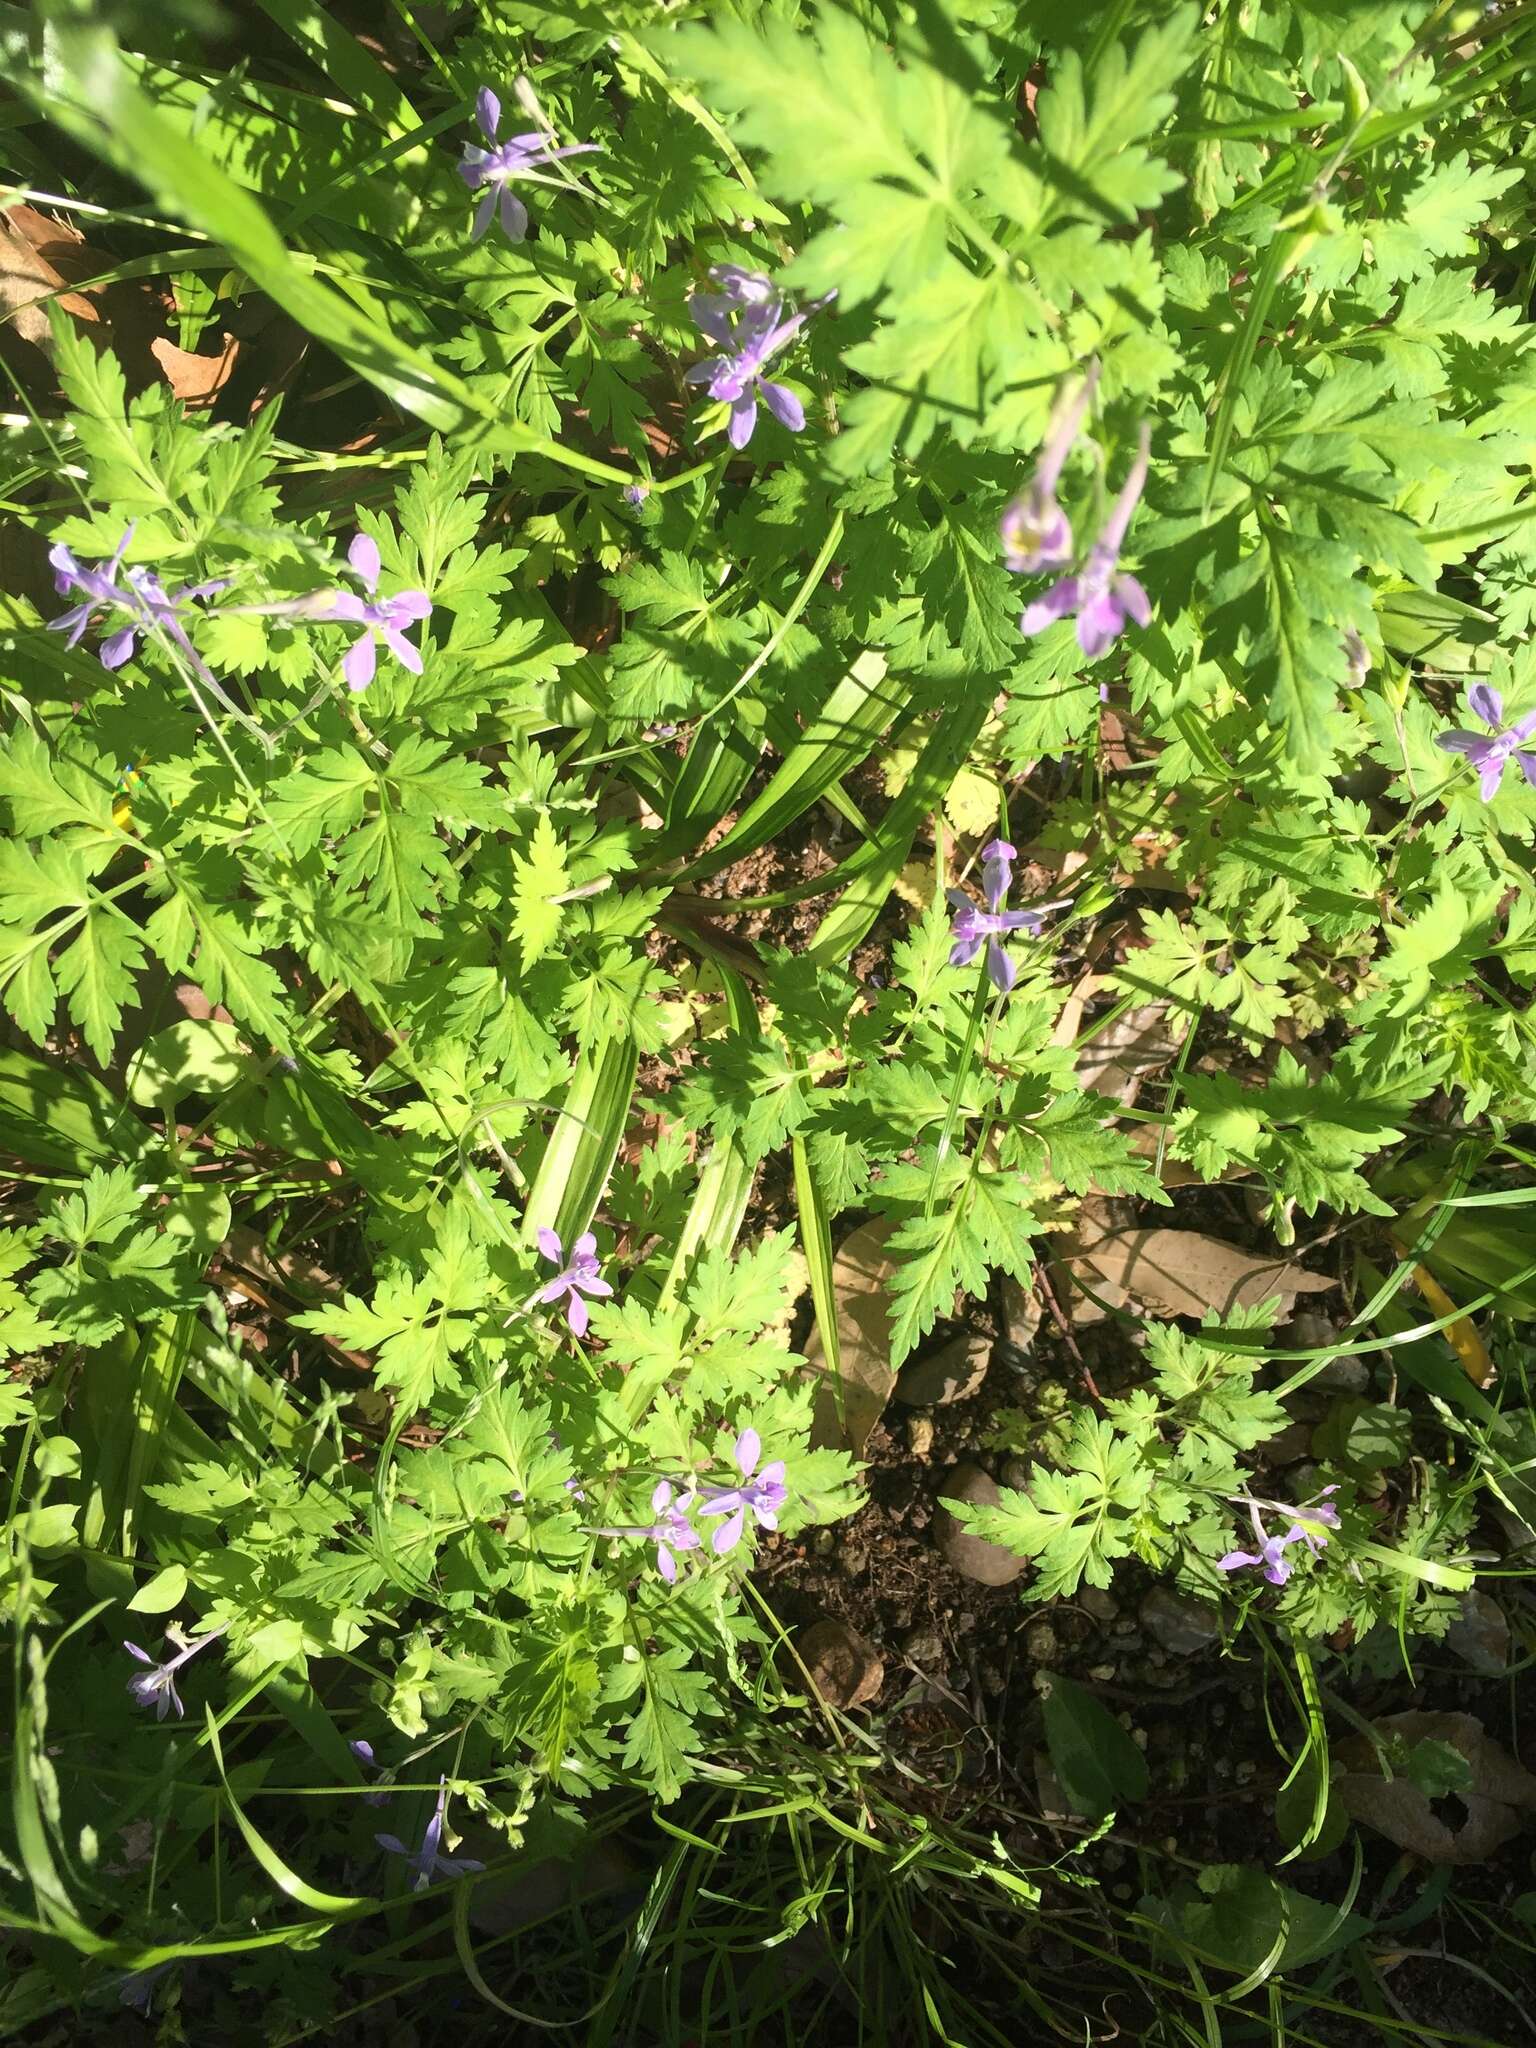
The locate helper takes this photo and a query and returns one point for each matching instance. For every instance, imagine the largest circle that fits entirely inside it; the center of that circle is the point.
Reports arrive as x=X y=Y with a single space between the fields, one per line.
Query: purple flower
x=493 y=171
x=1357 y=655
x=746 y=319
x=1036 y=533
x=142 y=596
x=582 y=1276
x=761 y=1497
x=1313 y=1518
x=363 y=1751
x=973 y=925
x=636 y=494
x=383 y=618
x=156 y=1687
x=426 y=1861
x=1102 y=597
x=1488 y=756
x=671 y=1531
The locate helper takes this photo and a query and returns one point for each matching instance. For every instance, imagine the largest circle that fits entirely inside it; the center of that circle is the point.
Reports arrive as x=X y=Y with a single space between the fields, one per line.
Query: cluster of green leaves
x=331 y=1003
x=1164 y=1473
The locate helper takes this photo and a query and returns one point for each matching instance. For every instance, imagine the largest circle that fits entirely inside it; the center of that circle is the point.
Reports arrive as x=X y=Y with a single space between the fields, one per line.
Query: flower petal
x=1472 y=744
x=360 y=661
x=488 y=112
x=514 y=215
x=783 y=404
x=115 y=652
x=749 y=1448
x=666 y=1564
x=1485 y=702
x=407 y=655
x=1099 y=625
x=549 y=1245
x=576 y=1314
x=728 y=1535
x=364 y=557
x=1133 y=599
x=1055 y=604
x=743 y=420
x=1001 y=967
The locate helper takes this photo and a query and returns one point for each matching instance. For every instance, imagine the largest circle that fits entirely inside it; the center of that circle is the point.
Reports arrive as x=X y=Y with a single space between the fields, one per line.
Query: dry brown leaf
x=30 y=276
x=1185 y=1273
x=195 y=379
x=1114 y=1060
x=1070 y=1022
x=845 y=1414
x=1500 y=1792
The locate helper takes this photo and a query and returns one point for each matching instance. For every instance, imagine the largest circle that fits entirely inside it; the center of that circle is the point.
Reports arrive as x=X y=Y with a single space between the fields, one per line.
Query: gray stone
x=1479 y=1635
x=1183 y=1626
x=952 y=1373
x=1015 y=1474
x=1021 y=1313
x=1293 y=1442
x=1311 y=1331
x=843 y=1666
x=1042 y=1643
x=1096 y=1601
x=923 y=1645
x=1103 y=1674
x=989 y=1564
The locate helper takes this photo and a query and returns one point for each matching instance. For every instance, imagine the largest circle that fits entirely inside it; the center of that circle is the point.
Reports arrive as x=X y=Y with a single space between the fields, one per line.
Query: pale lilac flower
x=636 y=494
x=495 y=170
x=1036 y=533
x=1490 y=756
x=670 y=1532
x=972 y=926
x=1358 y=657
x=761 y=1497
x=156 y=1687
x=582 y=1276
x=382 y=618
x=427 y=1862
x=141 y=595
x=1312 y=1518
x=1100 y=594
x=746 y=319
x=363 y=1751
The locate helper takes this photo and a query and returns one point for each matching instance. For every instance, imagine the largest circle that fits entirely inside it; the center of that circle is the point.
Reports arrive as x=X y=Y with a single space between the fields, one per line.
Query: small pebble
x=1015 y=1474
x=1140 y=1737
x=1100 y=1604
x=920 y=1435
x=952 y=1373
x=1246 y=1773
x=1042 y=1643
x=1103 y=1674
x=973 y=1556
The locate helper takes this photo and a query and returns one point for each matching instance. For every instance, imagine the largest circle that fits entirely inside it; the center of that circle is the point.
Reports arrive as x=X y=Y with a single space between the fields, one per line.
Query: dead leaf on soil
x=1185 y=1273
x=861 y=1271
x=1498 y=1802
x=42 y=259
x=1115 y=1059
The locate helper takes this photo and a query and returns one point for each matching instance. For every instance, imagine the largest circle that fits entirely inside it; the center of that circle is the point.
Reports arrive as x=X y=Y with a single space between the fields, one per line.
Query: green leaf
x=167 y=1589
x=1098 y=1765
